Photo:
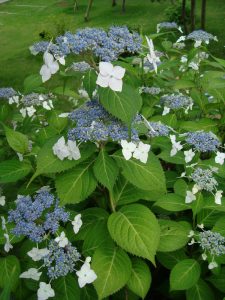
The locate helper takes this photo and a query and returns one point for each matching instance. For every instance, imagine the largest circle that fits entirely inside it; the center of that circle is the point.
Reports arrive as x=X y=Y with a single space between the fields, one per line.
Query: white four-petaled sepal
x=189 y=155
x=212 y=265
x=151 y=56
x=7 y=245
x=110 y=76
x=220 y=157
x=62 y=240
x=141 y=152
x=218 y=197
x=176 y=146
x=86 y=274
x=127 y=149
x=190 y=197
x=191 y=233
x=37 y=254
x=49 y=68
x=77 y=223
x=166 y=110
x=2 y=200
x=31 y=273
x=201 y=226
x=195 y=189
x=45 y=291
x=60 y=149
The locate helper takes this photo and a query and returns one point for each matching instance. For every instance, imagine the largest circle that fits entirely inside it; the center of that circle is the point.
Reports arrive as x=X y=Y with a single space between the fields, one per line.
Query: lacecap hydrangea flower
x=176 y=101
x=203 y=141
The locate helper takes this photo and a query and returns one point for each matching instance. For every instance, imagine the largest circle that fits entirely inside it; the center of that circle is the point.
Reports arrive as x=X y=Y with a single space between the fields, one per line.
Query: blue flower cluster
x=158 y=129
x=94 y=123
x=60 y=261
x=37 y=217
x=34 y=99
x=176 y=101
x=150 y=90
x=7 y=92
x=81 y=66
x=167 y=25
x=200 y=35
x=107 y=46
x=203 y=141
x=204 y=179
x=213 y=242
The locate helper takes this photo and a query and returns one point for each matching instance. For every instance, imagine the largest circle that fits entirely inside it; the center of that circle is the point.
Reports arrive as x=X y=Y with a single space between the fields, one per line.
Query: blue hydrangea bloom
x=7 y=93
x=203 y=141
x=213 y=242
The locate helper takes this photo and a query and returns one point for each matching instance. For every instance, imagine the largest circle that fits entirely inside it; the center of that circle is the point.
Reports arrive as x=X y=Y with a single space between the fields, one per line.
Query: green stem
x=112 y=204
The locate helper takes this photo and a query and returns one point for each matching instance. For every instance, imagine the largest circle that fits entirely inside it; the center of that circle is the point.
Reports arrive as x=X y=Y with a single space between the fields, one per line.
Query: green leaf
x=76 y=185
x=125 y=193
x=140 y=280
x=57 y=122
x=200 y=291
x=218 y=280
x=105 y=170
x=123 y=105
x=16 y=140
x=113 y=268
x=180 y=187
x=220 y=226
x=173 y=235
x=198 y=204
x=203 y=124
x=89 y=82
x=172 y=202
x=31 y=83
x=66 y=288
x=184 y=275
x=170 y=259
x=13 y=239
x=135 y=229
x=13 y=170
x=208 y=217
x=47 y=162
x=149 y=176
x=177 y=159
x=9 y=272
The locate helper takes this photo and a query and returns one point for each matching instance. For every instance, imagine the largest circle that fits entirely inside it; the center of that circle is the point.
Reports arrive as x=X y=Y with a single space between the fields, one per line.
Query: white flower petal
x=105 y=68
x=48 y=58
x=103 y=81
x=118 y=72
x=54 y=67
x=116 y=84
x=45 y=73
x=31 y=273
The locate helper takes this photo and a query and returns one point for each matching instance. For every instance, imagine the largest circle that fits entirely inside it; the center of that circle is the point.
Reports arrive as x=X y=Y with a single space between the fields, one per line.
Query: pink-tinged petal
x=103 y=81
x=45 y=73
x=54 y=67
x=105 y=68
x=118 y=72
x=116 y=84
x=48 y=58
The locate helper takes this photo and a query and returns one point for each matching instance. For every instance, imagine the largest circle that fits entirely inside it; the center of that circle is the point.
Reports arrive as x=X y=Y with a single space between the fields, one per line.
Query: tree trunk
x=183 y=16
x=113 y=2
x=86 y=17
x=123 y=6
x=193 y=2
x=203 y=14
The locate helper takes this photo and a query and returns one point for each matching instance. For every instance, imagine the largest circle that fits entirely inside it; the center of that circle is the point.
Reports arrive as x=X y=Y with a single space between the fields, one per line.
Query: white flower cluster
x=138 y=151
x=69 y=150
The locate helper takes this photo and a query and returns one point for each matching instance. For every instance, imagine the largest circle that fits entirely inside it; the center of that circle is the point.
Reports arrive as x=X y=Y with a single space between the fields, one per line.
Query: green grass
x=20 y=27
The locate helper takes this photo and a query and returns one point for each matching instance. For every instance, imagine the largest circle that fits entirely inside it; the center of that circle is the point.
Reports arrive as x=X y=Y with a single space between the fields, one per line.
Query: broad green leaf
x=170 y=259
x=140 y=280
x=203 y=124
x=208 y=217
x=125 y=193
x=89 y=82
x=32 y=82
x=180 y=187
x=113 y=268
x=16 y=140
x=149 y=176
x=9 y=272
x=47 y=162
x=105 y=170
x=198 y=204
x=200 y=291
x=135 y=229
x=57 y=122
x=177 y=159
x=173 y=235
x=66 y=288
x=183 y=84
x=184 y=275
x=220 y=226
x=123 y=105
x=14 y=170
x=218 y=280
x=77 y=184
x=172 y=202
x=88 y=293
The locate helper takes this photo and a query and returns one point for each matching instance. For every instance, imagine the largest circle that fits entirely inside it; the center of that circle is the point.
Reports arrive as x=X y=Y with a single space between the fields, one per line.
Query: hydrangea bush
x=112 y=169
